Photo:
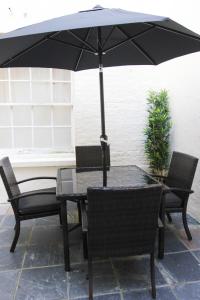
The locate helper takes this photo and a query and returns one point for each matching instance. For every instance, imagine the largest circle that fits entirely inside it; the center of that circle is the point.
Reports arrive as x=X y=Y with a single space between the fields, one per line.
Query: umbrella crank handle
x=102 y=140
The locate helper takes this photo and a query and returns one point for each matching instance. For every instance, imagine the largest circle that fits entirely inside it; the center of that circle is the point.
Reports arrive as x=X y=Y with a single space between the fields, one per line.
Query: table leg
x=65 y=235
x=161 y=238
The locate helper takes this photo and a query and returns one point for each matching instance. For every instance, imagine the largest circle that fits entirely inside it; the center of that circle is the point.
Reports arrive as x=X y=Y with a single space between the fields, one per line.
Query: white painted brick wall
x=125 y=109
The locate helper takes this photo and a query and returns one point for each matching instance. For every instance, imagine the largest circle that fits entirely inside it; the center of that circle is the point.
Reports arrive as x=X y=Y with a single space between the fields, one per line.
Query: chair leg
x=90 y=277
x=60 y=218
x=169 y=217
x=79 y=212
x=185 y=224
x=65 y=235
x=17 y=232
x=85 y=247
x=161 y=231
x=161 y=243
x=153 y=282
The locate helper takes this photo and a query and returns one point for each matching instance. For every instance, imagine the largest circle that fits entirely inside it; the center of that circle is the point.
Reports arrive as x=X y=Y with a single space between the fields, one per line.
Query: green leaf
x=157 y=131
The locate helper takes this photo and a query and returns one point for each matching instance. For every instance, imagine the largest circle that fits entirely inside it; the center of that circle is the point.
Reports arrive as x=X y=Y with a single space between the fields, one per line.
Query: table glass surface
x=71 y=183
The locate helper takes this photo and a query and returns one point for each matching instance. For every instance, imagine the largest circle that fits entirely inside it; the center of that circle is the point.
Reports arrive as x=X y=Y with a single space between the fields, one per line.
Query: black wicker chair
x=28 y=205
x=178 y=186
x=120 y=222
x=90 y=158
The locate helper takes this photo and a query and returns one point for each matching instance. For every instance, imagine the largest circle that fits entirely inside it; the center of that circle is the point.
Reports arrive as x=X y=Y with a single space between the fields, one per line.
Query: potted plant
x=157 y=132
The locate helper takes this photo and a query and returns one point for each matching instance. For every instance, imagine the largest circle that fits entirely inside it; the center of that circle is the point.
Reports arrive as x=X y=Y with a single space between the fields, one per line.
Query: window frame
x=52 y=105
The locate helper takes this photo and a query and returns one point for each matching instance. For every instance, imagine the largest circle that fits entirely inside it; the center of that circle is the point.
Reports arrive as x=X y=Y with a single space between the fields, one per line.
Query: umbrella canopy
x=71 y=42
x=96 y=38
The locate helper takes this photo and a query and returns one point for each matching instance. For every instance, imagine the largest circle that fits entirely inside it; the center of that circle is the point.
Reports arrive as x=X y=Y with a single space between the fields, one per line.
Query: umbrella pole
x=103 y=137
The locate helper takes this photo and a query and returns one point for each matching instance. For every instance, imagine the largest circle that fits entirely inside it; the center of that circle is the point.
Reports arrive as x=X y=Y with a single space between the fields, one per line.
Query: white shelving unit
x=35 y=109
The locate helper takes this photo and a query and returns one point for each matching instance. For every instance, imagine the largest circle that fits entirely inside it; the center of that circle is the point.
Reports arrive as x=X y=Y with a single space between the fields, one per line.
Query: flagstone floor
x=36 y=272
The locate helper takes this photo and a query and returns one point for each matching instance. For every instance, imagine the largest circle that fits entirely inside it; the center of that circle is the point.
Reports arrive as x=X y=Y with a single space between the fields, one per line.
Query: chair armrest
x=36 y=178
x=160 y=224
x=84 y=217
x=27 y=194
x=167 y=189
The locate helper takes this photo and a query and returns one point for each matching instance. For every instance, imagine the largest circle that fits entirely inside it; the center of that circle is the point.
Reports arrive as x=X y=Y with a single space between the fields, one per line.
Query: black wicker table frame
x=72 y=186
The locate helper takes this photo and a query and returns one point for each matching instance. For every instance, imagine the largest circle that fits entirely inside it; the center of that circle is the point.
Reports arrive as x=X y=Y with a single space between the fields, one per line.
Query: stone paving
x=36 y=271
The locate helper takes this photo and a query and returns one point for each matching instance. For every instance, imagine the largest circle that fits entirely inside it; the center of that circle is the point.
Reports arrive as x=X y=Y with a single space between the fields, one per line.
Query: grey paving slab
x=43 y=284
x=51 y=254
x=135 y=273
x=108 y=297
x=76 y=252
x=196 y=253
x=40 y=255
x=178 y=222
x=7 y=235
x=75 y=235
x=181 y=267
x=195 y=243
x=172 y=243
x=104 y=280
x=51 y=220
x=43 y=255
x=4 y=208
x=164 y=293
x=104 y=297
x=45 y=235
x=11 y=261
x=8 y=284
x=9 y=221
x=190 y=291
x=1 y=218
x=3 y=211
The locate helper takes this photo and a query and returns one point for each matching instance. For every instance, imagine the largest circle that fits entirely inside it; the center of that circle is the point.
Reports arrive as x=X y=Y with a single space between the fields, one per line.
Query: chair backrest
x=181 y=170
x=91 y=156
x=122 y=221
x=8 y=177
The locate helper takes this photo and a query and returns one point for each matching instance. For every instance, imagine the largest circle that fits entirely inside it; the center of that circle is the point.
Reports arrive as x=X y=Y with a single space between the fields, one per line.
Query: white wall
x=185 y=110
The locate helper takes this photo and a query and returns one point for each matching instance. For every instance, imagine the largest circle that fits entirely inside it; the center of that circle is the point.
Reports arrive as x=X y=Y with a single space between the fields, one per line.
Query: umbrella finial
x=97 y=7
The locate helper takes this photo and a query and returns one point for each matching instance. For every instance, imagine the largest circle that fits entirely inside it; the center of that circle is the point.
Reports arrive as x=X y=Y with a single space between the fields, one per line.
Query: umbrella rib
x=107 y=38
x=21 y=53
x=81 y=40
x=81 y=52
x=139 y=48
x=129 y=39
x=72 y=45
x=175 y=30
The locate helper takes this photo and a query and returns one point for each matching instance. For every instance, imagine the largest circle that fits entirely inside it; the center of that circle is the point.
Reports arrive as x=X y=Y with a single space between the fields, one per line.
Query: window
x=35 y=110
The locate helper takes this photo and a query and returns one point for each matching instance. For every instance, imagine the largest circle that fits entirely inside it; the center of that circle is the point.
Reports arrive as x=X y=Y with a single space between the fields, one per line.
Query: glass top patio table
x=73 y=183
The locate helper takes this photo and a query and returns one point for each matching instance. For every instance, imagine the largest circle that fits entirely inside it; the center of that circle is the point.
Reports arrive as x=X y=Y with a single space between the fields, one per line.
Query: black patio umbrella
x=96 y=38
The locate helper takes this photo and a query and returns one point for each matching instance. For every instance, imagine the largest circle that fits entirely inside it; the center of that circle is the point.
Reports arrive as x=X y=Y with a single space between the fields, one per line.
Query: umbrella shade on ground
x=96 y=38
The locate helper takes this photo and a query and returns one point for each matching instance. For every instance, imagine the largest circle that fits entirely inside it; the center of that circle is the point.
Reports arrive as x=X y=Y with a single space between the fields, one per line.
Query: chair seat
x=40 y=203
x=172 y=201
